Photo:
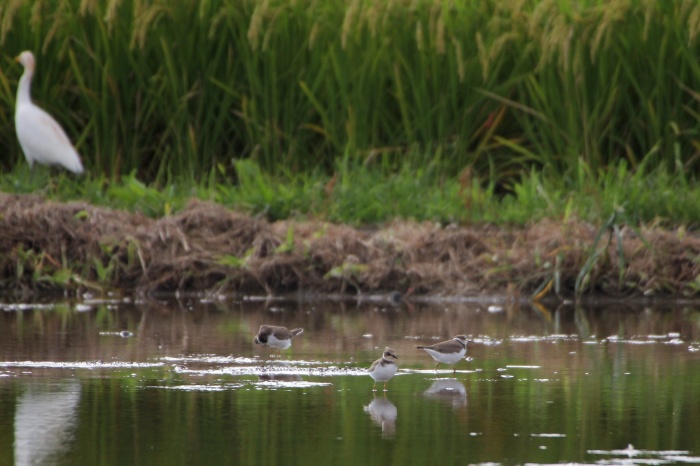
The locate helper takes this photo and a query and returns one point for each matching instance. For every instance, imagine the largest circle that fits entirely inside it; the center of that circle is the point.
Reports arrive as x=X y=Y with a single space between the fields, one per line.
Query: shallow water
x=181 y=382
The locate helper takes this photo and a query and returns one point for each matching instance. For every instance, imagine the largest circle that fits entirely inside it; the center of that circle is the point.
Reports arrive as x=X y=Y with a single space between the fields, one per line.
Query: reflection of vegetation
x=600 y=396
x=124 y=419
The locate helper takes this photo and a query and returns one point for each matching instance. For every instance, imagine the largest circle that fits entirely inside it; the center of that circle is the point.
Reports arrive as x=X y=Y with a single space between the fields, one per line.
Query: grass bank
x=360 y=195
x=624 y=235
x=75 y=246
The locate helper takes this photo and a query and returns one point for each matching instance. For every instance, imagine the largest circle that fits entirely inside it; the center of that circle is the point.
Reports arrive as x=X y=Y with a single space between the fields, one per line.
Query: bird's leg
x=436 y=366
x=385 y=385
x=374 y=387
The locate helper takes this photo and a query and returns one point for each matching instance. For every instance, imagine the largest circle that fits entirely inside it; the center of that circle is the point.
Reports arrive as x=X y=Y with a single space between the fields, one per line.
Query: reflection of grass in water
x=329 y=424
x=591 y=399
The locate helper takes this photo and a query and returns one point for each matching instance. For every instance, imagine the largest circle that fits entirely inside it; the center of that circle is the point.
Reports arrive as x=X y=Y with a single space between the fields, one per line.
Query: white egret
x=41 y=137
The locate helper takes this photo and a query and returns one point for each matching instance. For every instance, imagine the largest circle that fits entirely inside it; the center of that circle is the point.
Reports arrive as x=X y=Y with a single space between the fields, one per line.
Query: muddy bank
x=46 y=245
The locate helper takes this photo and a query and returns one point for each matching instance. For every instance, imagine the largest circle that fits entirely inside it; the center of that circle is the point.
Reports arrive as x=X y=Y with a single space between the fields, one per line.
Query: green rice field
x=360 y=111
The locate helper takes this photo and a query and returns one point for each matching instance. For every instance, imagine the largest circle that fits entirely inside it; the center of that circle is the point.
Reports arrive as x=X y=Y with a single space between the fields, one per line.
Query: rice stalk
x=87 y=7
x=693 y=23
x=420 y=38
x=348 y=22
x=439 y=34
x=458 y=58
x=610 y=18
x=146 y=19
x=8 y=12
x=111 y=14
x=256 y=21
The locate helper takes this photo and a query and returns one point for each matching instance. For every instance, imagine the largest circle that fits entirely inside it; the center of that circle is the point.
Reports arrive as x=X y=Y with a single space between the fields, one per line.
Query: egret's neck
x=25 y=83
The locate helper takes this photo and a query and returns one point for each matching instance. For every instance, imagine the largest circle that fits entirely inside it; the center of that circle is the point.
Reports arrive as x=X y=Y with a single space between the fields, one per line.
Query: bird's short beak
x=17 y=58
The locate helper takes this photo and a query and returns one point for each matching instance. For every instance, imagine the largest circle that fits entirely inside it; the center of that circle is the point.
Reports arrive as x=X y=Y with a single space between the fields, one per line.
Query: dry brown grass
x=41 y=240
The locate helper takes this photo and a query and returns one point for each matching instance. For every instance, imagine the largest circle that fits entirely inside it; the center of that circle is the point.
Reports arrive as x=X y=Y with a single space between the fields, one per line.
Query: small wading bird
x=449 y=352
x=41 y=137
x=383 y=368
x=276 y=337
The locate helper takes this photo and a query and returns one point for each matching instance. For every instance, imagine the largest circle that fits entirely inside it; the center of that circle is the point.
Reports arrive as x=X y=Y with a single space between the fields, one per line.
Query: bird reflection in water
x=280 y=377
x=383 y=413
x=448 y=390
x=45 y=422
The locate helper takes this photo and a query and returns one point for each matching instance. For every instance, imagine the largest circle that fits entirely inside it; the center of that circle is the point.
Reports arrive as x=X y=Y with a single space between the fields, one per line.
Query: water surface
x=102 y=382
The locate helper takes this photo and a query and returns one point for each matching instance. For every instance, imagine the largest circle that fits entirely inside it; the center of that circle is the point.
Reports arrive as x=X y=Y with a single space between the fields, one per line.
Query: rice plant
x=174 y=89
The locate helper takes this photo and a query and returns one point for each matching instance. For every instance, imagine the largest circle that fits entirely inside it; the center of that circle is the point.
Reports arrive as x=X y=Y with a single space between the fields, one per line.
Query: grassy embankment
x=363 y=111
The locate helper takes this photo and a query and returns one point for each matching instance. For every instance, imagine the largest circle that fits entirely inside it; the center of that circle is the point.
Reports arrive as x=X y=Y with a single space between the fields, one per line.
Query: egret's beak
x=17 y=58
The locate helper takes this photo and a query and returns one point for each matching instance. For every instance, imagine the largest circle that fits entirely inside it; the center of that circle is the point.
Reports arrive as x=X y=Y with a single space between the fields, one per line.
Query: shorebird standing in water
x=449 y=352
x=383 y=368
x=276 y=337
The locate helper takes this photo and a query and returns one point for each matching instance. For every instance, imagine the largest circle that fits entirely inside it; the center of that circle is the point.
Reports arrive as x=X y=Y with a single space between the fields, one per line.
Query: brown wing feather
x=375 y=364
x=281 y=333
x=450 y=346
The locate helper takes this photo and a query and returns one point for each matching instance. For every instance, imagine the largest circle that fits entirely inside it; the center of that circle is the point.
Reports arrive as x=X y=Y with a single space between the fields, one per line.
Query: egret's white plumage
x=41 y=137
